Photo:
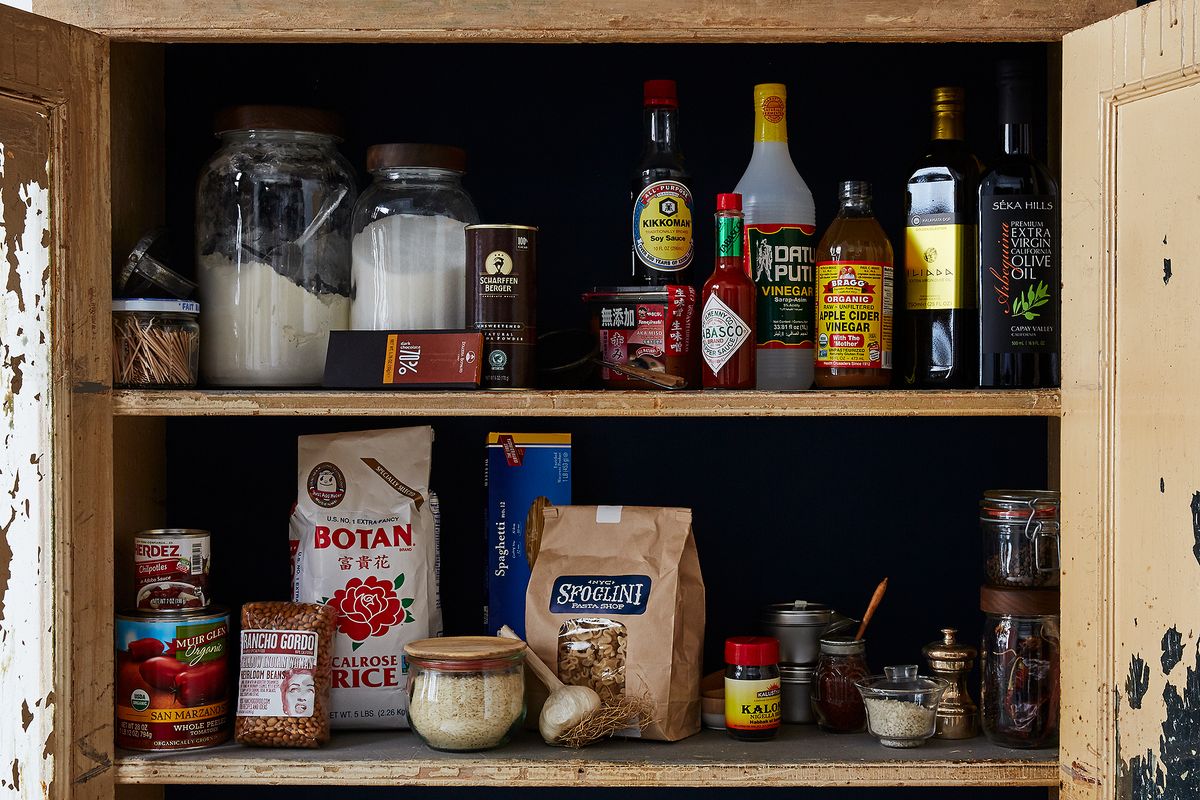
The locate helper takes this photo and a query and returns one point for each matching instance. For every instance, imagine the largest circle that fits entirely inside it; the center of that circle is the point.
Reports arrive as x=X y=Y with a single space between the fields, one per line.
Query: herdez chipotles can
x=502 y=301
x=172 y=682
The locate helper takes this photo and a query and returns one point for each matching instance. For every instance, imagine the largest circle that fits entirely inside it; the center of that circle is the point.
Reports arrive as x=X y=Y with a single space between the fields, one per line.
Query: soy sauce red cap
x=752 y=651
x=729 y=201
x=660 y=93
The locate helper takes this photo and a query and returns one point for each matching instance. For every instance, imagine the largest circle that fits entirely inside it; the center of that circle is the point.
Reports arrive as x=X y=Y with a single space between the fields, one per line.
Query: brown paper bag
x=616 y=602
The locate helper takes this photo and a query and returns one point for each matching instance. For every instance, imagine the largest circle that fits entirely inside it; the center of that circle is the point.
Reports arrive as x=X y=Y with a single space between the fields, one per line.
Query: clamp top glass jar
x=410 y=248
x=273 y=246
x=1020 y=537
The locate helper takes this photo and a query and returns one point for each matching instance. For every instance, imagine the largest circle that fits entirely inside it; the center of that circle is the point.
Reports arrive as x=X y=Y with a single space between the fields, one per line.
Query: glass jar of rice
x=466 y=692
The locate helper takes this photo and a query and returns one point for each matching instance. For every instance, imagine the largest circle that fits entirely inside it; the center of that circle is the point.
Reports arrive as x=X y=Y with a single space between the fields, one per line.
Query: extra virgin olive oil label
x=752 y=705
x=662 y=226
x=854 y=315
x=722 y=332
x=1019 y=274
x=934 y=262
x=781 y=264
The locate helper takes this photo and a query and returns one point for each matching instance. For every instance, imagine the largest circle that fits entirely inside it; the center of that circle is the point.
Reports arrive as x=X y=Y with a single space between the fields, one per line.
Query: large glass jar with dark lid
x=273 y=246
x=410 y=253
x=1019 y=662
x=1020 y=537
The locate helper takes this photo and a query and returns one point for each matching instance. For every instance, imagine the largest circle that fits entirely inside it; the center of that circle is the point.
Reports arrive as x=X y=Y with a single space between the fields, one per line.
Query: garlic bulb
x=564 y=709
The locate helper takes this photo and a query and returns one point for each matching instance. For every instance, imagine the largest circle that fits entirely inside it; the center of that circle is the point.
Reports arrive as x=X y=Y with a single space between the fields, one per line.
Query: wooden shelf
x=582 y=20
x=800 y=756
x=235 y=403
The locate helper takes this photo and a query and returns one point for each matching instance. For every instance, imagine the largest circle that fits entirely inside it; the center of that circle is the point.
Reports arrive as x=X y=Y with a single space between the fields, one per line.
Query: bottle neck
x=729 y=239
x=770 y=119
x=1017 y=138
x=855 y=207
x=948 y=125
x=661 y=125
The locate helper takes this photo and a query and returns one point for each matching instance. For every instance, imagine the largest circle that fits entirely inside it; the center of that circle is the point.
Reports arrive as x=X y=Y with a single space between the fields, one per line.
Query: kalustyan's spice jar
x=410 y=254
x=836 y=700
x=1020 y=537
x=752 y=691
x=1019 y=661
x=466 y=693
x=273 y=246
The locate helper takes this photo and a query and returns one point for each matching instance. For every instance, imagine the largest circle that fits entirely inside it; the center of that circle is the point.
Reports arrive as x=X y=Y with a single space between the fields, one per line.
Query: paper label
x=854 y=315
x=277 y=676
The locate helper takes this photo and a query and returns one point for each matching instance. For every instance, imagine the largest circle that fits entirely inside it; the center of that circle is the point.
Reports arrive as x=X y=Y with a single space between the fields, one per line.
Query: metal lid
x=797 y=612
x=796 y=673
x=1019 y=602
x=184 y=532
x=156 y=305
x=485 y=226
x=141 y=271
x=278 y=118
x=843 y=646
x=172 y=614
x=430 y=156
x=949 y=650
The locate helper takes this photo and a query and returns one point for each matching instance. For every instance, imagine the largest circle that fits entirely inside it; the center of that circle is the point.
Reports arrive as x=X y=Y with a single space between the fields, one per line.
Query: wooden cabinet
x=84 y=170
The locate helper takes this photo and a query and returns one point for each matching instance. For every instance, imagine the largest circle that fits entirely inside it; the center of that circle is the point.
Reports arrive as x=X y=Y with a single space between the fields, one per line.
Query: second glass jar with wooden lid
x=410 y=251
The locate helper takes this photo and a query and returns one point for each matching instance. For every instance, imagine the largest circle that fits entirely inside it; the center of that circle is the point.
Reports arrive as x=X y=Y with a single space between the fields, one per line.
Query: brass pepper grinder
x=957 y=715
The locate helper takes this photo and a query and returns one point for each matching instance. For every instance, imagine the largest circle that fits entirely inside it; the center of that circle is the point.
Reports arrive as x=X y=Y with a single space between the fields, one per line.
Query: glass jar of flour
x=409 y=253
x=273 y=212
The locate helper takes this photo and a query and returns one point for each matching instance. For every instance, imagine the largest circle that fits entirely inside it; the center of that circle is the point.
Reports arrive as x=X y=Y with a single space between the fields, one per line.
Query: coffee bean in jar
x=502 y=301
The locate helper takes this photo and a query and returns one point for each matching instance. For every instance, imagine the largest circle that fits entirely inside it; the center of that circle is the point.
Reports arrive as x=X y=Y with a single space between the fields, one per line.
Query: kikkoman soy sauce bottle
x=662 y=198
x=854 y=296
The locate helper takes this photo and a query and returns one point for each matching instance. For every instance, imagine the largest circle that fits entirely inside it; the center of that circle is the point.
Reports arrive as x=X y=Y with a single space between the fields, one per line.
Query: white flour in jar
x=408 y=272
x=259 y=328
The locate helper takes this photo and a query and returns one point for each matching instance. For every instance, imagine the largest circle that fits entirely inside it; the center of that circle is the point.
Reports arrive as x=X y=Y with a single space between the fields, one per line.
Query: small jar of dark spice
x=836 y=698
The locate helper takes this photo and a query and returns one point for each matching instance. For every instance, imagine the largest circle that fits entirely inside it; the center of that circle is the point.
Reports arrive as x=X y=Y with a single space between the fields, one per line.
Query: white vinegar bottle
x=780 y=247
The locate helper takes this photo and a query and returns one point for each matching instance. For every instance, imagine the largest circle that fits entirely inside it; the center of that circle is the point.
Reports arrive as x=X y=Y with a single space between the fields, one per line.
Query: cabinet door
x=55 y=463
x=1131 y=405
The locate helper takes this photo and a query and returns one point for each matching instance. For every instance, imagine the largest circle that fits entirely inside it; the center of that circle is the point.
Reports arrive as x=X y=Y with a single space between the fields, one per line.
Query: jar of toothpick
x=156 y=343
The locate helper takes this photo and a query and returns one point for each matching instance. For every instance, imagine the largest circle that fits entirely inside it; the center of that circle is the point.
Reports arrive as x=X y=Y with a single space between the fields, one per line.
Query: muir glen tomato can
x=172 y=682
x=171 y=568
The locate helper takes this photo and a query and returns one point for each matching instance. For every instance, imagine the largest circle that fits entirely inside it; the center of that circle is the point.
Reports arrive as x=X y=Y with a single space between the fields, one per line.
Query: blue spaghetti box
x=525 y=473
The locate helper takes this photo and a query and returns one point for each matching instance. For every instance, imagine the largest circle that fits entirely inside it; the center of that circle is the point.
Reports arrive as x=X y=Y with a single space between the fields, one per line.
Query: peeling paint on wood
x=26 y=643
x=1137 y=683
x=1166 y=271
x=1172 y=649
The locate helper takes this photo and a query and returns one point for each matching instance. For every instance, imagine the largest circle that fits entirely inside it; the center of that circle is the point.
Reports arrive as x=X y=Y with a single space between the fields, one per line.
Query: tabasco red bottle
x=727 y=318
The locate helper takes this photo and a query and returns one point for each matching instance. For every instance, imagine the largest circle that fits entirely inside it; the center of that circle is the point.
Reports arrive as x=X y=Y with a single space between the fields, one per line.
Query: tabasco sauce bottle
x=728 y=307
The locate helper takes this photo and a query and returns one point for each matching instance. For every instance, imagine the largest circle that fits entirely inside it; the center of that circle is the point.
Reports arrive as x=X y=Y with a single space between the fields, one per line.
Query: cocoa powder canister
x=502 y=301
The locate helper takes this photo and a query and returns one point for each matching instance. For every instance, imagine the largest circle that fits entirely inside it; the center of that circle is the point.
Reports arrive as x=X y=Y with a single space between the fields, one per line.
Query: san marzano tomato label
x=277 y=677
x=854 y=315
x=172 y=682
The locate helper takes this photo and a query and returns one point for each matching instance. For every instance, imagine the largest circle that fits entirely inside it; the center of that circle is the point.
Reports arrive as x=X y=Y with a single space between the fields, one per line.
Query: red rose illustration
x=367 y=608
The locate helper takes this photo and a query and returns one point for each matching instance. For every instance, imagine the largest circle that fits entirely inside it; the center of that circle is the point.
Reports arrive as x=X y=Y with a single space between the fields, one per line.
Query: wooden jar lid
x=1018 y=602
x=464 y=648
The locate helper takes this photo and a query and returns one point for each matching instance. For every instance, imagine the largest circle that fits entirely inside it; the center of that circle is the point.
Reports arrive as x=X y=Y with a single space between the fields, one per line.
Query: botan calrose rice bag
x=364 y=542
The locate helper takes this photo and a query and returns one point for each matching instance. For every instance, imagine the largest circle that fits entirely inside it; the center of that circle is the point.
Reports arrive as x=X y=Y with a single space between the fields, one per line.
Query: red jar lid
x=752 y=651
x=729 y=201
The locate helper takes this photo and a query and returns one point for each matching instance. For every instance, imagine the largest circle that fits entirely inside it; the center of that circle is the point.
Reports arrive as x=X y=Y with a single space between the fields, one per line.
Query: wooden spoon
x=874 y=604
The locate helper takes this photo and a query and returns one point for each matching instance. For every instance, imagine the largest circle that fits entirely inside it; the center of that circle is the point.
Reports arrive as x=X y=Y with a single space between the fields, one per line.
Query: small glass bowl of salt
x=901 y=705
